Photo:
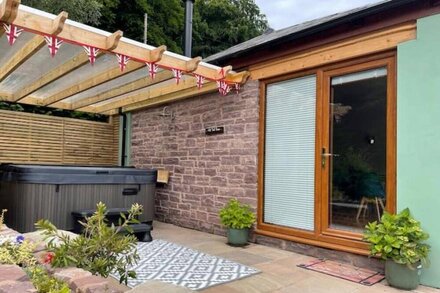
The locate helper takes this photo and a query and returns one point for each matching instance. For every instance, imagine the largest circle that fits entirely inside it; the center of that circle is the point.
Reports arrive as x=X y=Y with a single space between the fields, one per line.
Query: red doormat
x=344 y=271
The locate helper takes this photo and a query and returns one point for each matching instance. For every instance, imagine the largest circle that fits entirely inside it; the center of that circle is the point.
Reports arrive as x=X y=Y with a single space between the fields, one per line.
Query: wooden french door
x=356 y=156
x=327 y=157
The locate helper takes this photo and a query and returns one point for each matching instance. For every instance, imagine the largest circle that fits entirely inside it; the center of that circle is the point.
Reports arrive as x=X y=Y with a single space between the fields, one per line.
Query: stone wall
x=205 y=171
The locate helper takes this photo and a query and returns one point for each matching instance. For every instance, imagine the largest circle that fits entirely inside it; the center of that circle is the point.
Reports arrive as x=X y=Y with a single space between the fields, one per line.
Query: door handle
x=325 y=155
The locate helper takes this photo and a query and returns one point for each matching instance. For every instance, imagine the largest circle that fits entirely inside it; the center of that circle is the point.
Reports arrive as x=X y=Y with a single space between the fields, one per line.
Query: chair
x=372 y=192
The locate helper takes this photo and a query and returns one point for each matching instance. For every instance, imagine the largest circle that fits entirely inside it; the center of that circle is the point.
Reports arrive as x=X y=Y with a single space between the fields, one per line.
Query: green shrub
x=398 y=237
x=17 y=251
x=236 y=215
x=100 y=249
x=45 y=283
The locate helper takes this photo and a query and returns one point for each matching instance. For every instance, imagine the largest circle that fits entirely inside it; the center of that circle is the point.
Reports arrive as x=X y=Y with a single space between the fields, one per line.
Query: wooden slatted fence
x=41 y=139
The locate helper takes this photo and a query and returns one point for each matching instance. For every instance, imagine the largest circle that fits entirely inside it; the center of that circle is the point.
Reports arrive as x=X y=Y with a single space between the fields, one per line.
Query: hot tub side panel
x=28 y=203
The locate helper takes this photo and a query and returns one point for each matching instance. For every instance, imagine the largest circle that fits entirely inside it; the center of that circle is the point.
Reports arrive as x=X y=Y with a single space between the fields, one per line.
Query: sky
x=284 y=13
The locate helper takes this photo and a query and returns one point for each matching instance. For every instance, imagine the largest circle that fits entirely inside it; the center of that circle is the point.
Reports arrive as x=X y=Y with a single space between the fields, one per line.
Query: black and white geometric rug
x=172 y=263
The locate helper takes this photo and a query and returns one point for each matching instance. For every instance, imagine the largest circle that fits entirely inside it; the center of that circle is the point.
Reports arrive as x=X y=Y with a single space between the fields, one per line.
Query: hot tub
x=33 y=192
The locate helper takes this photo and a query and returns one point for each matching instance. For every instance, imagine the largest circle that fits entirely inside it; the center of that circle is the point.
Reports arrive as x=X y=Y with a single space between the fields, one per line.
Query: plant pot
x=238 y=237
x=401 y=276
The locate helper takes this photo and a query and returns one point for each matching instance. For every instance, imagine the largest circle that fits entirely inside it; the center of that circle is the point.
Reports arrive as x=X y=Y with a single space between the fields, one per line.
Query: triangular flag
x=223 y=87
x=177 y=74
x=237 y=87
x=122 y=60
x=92 y=52
x=152 y=69
x=53 y=43
x=200 y=80
x=12 y=33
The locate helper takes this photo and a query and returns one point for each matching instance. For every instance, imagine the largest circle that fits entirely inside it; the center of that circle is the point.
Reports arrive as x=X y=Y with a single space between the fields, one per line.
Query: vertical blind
x=289 y=169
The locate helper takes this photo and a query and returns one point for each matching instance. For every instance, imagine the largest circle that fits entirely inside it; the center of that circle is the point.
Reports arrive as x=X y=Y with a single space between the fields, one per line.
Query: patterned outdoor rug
x=344 y=271
x=172 y=263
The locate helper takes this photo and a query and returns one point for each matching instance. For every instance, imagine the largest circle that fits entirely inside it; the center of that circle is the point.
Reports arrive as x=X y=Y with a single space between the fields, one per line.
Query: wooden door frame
x=340 y=241
x=389 y=64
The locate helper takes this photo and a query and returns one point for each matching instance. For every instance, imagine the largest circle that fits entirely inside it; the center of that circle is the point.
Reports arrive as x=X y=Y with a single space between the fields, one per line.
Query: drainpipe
x=188 y=26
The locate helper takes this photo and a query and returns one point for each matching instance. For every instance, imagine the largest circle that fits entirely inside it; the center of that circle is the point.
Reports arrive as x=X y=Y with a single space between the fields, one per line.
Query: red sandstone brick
x=82 y=284
x=11 y=286
x=70 y=274
x=12 y=273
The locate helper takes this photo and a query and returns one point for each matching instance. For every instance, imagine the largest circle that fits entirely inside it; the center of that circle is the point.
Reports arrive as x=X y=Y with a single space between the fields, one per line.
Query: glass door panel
x=357 y=149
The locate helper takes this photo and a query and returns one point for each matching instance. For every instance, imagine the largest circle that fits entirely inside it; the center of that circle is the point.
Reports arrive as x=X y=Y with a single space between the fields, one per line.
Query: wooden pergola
x=124 y=75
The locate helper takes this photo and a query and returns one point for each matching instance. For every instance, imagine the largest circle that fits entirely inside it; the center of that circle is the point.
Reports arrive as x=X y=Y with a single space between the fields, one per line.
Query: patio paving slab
x=279 y=271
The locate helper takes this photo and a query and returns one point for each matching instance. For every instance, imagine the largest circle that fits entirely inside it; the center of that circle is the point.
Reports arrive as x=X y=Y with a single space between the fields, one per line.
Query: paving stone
x=12 y=273
x=16 y=286
x=82 y=284
x=70 y=274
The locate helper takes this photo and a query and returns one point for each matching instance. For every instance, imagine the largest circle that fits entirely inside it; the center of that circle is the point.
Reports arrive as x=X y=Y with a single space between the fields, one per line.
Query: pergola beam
x=154 y=101
x=56 y=73
x=30 y=19
x=21 y=56
x=9 y=10
x=121 y=90
x=148 y=93
x=31 y=47
x=91 y=82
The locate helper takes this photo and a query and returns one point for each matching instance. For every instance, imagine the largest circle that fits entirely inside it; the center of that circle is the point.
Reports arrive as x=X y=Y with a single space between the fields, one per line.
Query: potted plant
x=237 y=218
x=399 y=240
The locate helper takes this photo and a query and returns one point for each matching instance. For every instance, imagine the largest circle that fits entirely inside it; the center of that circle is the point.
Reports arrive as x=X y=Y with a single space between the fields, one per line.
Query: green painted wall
x=418 y=134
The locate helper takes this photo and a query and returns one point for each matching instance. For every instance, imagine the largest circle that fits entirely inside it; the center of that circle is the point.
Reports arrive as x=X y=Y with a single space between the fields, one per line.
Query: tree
x=165 y=20
x=217 y=25
x=220 y=24
x=84 y=11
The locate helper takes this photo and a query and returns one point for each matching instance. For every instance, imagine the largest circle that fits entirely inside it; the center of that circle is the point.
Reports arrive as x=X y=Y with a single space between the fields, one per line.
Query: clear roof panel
x=123 y=80
x=7 y=51
x=85 y=72
x=37 y=66
x=152 y=87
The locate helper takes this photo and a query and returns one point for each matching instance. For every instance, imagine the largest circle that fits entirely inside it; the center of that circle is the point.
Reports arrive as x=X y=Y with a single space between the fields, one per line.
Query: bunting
x=222 y=73
x=152 y=69
x=237 y=87
x=91 y=52
x=12 y=32
x=122 y=60
x=177 y=74
x=53 y=43
x=200 y=80
x=223 y=87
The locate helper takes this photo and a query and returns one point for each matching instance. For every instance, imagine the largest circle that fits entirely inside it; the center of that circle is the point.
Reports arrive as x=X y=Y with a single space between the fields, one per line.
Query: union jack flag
x=122 y=60
x=92 y=52
x=223 y=87
x=12 y=33
x=237 y=87
x=200 y=80
x=53 y=43
x=152 y=69
x=177 y=74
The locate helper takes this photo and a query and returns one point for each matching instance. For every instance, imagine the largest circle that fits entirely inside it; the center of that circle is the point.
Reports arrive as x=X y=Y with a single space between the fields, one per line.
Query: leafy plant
x=101 y=249
x=45 y=283
x=236 y=215
x=398 y=237
x=17 y=251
